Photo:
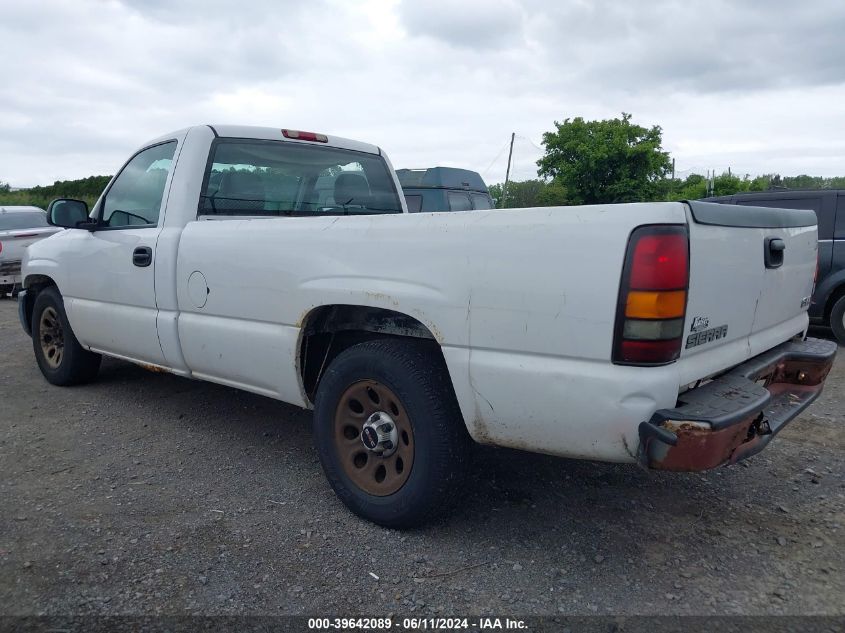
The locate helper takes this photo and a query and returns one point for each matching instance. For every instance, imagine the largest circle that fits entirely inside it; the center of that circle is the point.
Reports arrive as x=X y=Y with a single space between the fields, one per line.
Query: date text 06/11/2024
x=481 y=624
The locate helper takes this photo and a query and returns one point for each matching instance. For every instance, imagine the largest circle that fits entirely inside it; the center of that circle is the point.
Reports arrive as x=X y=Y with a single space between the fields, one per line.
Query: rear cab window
x=14 y=220
x=459 y=201
x=247 y=177
x=414 y=203
x=481 y=201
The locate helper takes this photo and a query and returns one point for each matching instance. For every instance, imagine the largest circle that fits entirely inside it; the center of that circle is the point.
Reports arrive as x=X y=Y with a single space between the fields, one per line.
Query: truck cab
x=443 y=189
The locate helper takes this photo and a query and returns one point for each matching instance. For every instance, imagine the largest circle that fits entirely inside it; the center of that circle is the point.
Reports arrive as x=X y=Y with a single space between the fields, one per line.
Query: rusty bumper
x=738 y=413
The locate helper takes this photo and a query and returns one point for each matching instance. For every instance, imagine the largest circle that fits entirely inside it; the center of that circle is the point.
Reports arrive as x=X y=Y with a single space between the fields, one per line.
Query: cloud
x=696 y=45
x=472 y=24
x=754 y=86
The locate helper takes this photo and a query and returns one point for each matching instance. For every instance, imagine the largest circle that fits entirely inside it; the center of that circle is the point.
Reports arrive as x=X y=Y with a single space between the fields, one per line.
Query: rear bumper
x=737 y=414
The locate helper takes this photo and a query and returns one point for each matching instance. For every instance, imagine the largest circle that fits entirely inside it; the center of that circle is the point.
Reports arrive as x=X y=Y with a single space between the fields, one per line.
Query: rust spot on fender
x=382 y=297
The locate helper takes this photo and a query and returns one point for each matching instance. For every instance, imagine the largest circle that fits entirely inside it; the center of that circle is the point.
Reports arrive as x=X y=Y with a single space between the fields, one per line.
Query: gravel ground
x=151 y=494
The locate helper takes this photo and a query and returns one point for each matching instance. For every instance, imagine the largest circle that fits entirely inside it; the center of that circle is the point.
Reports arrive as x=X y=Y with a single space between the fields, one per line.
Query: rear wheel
x=389 y=432
x=61 y=358
x=5 y=289
x=837 y=320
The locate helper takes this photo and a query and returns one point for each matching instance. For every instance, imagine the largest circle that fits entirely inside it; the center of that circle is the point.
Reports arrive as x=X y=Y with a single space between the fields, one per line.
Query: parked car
x=828 y=302
x=443 y=189
x=667 y=334
x=19 y=227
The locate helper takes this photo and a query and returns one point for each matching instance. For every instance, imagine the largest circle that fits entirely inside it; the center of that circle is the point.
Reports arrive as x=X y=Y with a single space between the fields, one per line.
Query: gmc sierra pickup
x=285 y=263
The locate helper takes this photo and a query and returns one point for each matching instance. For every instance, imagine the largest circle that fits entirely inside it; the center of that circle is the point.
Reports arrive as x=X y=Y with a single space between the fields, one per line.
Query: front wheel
x=837 y=320
x=389 y=432
x=61 y=358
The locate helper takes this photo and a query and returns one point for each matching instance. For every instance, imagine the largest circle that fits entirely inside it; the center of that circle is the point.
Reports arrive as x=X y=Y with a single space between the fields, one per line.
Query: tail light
x=652 y=296
x=305 y=136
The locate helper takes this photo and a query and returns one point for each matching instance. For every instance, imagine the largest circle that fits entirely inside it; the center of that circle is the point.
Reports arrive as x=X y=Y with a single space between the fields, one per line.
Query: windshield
x=272 y=178
x=14 y=220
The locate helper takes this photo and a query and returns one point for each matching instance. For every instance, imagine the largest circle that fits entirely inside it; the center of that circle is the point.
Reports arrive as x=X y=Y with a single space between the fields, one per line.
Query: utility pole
x=507 y=173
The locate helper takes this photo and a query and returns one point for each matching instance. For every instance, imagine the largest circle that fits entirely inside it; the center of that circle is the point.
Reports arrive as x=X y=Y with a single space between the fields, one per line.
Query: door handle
x=142 y=256
x=773 y=254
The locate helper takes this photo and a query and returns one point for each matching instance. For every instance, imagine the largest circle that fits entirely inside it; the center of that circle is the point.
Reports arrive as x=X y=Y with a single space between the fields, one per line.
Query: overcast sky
x=755 y=86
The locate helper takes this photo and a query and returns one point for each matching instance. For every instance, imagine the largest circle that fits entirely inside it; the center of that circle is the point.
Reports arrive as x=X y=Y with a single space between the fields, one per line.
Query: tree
x=725 y=184
x=553 y=195
x=4 y=186
x=613 y=160
x=520 y=194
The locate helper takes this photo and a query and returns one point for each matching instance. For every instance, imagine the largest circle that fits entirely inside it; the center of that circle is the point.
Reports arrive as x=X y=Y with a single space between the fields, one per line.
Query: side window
x=414 y=203
x=459 y=201
x=839 y=232
x=481 y=201
x=134 y=199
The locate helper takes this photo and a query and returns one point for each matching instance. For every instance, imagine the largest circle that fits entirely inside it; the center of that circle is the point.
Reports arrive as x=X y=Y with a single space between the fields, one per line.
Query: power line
x=501 y=151
x=525 y=138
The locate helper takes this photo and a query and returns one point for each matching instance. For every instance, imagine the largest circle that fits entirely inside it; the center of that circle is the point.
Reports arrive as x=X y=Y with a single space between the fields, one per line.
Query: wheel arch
x=34 y=284
x=835 y=295
x=329 y=329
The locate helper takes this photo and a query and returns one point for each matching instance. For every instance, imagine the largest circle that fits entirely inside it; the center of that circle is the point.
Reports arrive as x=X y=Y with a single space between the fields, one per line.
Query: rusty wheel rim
x=52 y=338
x=378 y=474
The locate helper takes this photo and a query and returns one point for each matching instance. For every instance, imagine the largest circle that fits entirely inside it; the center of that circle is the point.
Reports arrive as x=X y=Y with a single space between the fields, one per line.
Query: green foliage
x=88 y=189
x=496 y=193
x=725 y=184
x=613 y=160
x=554 y=194
x=520 y=194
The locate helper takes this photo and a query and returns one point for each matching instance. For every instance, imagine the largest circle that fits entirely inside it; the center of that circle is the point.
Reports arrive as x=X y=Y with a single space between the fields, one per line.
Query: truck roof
x=441 y=178
x=776 y=193
x=273 y=134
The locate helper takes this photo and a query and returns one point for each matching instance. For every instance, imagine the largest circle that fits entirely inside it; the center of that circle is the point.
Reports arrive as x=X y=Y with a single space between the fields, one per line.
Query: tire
x=837 y=320
x=4 y=290
x=60 y=357
x=414 y=395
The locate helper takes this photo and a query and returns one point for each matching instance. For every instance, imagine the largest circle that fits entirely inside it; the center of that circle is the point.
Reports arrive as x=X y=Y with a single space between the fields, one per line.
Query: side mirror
x=69 y=213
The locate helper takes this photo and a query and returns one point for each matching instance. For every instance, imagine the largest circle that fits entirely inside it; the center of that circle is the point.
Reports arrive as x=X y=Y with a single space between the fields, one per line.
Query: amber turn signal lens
x=663 y=304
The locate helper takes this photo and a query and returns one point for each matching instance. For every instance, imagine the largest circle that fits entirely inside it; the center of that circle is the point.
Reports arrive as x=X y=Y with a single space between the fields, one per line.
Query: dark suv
x=443 y=189
x=828 y=304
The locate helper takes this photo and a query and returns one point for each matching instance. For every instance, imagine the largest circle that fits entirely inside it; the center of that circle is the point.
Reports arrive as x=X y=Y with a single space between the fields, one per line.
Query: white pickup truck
x=285 y=263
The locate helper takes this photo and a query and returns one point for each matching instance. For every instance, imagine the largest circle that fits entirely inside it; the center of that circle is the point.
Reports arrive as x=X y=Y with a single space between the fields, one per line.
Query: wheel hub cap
x=379 y=434
x=374 y=438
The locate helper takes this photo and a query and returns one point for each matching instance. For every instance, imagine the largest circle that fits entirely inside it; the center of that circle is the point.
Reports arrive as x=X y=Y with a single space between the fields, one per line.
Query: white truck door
x=110 y=293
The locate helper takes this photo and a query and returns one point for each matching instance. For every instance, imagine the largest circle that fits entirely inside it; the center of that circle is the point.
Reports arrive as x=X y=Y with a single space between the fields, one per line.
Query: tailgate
x=751 y=272
x=14 y=242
